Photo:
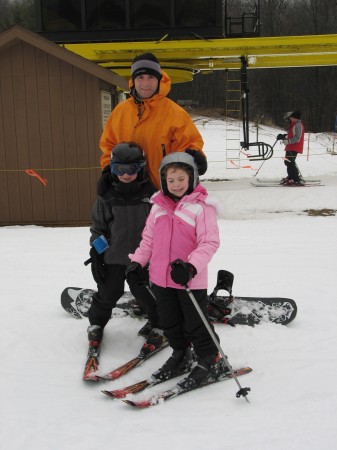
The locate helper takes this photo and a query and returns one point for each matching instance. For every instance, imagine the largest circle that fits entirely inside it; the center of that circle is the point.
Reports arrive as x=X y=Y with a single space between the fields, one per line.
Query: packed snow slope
x=278 y=241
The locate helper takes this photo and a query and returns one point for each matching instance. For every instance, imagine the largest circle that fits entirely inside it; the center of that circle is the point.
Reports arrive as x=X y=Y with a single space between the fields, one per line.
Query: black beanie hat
x=146 y=64
x=296 y=115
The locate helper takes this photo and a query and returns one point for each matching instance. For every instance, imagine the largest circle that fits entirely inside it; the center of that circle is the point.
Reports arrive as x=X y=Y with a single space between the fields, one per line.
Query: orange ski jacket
x=157 y=124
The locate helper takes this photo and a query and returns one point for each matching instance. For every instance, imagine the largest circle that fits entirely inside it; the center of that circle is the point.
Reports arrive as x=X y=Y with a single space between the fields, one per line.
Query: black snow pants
x=112 y=290
x=181 y=322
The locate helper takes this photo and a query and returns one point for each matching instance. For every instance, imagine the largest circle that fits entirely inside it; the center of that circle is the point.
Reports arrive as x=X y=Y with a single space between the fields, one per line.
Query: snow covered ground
x=274 y=248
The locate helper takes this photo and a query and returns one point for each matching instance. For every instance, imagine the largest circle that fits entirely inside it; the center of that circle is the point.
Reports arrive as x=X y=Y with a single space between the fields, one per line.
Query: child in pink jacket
x=181 y=226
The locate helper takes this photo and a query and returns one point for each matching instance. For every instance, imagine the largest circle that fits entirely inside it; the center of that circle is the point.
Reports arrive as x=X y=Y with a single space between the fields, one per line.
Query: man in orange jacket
x=151 y=120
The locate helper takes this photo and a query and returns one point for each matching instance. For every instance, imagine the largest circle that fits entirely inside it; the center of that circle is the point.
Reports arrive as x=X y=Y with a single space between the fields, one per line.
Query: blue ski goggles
x=129 y=169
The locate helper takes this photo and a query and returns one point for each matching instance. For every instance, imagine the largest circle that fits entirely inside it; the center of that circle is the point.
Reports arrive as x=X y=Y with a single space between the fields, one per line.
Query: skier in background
x=294 y=142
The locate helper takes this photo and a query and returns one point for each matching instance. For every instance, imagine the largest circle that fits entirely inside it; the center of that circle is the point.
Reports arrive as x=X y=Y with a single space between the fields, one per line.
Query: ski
x=140 y=359
x=177 y=390
x=92 y=363
x=141 y=385
x=272 y=183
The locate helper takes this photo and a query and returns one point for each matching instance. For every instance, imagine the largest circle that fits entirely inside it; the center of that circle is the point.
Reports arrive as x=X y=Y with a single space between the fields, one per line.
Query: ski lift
x=263 y=151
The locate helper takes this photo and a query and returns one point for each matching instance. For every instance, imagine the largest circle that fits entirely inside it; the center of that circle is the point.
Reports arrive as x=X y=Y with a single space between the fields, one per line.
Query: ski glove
x=97 y=266
x=199 y=159
x=135 y=273
x=286 y=141
x=280 y=137
x=105 y=180
x=182 y=272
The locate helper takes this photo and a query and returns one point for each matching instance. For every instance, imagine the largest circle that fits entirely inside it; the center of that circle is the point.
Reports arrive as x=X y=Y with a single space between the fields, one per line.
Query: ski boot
x=95 y=335
x=208 y=368
x=145 y=330
x=153 y=342
x=179 y=362
x=284 y=180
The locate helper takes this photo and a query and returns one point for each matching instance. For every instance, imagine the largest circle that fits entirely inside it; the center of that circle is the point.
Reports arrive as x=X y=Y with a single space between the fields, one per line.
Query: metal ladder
x=233 y=119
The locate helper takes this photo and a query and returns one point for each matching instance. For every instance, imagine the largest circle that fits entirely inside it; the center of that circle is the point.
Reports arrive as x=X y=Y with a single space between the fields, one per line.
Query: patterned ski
x=177 y=390
x=92 y=363
x=132 y=389
x=140 y=359
x=271 y=183
x=141 y=385
x=274 y=181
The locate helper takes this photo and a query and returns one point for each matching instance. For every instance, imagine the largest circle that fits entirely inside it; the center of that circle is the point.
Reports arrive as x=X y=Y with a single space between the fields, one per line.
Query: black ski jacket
x=120 y=215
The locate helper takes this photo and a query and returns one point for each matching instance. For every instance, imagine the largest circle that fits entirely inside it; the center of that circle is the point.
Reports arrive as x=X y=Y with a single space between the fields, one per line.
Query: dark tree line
x=272 y=91
x=17 y=12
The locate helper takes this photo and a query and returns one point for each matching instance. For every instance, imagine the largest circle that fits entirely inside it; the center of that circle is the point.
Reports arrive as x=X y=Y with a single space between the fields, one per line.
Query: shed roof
x=17 y=33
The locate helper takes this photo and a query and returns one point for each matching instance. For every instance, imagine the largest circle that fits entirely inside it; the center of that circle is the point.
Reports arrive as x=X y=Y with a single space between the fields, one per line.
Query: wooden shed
x=53 y=104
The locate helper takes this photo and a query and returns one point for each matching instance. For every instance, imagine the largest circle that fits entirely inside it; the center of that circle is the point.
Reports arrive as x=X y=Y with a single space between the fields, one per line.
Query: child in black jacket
x=120 y=215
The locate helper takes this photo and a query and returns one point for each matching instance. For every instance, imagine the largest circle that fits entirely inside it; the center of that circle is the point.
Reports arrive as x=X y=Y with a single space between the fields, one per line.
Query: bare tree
x=316 y=16
x=17 y=12
x=275 y=16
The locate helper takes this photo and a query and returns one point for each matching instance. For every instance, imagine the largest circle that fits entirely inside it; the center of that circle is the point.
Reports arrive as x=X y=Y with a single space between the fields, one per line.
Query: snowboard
x=77 y=302
x=254 y=310
x=222 y=309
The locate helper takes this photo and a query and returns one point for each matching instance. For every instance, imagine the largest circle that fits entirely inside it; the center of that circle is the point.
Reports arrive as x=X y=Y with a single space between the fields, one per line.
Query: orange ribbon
x=242 y=167
x=32 y=173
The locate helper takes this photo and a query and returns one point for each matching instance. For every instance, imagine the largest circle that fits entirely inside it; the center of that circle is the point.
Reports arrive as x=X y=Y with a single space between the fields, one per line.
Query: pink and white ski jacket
x=187 y=230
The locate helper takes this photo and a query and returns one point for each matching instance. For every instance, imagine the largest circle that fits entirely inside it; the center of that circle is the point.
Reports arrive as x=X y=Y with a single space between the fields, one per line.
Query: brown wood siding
x=50 y=121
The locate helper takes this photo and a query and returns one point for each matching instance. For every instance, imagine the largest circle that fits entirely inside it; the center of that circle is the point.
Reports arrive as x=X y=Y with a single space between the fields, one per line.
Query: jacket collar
x=198 y=194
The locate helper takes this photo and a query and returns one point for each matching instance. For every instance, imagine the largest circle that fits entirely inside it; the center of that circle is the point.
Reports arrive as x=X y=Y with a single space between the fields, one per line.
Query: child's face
x=127 y=178
x=177 y=181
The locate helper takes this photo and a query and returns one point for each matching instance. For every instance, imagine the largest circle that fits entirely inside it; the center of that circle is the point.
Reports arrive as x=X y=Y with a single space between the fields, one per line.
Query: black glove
x=135 y=273
x=280 y=137
x=199 y=159
x=97 y=266
x=182 y=272
x=105 y=180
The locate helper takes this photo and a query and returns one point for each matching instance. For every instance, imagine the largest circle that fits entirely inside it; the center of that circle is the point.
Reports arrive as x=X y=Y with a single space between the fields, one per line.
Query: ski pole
x=150 y=291
x=255 y=175
x=145 y=283
x=242 y=391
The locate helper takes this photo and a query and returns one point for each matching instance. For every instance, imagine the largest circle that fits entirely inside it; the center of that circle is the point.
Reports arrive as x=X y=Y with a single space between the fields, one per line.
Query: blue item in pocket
x=100 y=244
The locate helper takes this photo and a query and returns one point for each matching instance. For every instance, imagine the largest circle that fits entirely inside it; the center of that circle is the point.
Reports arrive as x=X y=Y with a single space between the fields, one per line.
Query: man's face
x=146 y=85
